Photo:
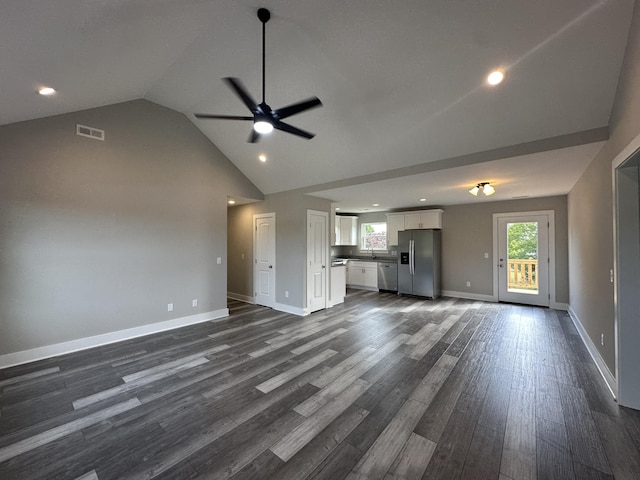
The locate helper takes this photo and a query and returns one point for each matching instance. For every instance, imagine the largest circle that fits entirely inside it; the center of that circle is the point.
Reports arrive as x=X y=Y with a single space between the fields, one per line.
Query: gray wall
x=590 y=208
x=97 y=237
x=291 y=244
x=467 y=234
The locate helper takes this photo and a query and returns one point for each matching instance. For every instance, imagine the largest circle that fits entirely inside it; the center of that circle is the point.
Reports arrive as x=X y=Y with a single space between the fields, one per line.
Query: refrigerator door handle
x=411 y=258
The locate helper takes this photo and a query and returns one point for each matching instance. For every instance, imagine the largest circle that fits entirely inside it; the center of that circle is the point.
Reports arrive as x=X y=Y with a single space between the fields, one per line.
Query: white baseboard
x=609 y=379
x=25 y=356
x=241 y=298
x=281 y=307
x=470 y=296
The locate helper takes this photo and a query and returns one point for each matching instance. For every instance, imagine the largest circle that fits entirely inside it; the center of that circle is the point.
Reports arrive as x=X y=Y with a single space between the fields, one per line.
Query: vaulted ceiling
x=402 y=83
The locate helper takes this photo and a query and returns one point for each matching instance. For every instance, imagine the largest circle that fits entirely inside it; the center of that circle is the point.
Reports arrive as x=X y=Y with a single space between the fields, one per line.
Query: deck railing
x=523 y=274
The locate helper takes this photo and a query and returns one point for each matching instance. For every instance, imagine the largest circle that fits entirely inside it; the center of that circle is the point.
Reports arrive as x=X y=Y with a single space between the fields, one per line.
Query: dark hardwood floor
x=381 y=387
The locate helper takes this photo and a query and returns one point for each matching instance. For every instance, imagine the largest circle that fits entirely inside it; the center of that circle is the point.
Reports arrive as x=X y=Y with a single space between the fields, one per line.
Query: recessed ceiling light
x=46 y=91
x=423 y=199
x=495 y=77
x=262 y=158
x=231 y=201
x=337 y=208
x=375 y=204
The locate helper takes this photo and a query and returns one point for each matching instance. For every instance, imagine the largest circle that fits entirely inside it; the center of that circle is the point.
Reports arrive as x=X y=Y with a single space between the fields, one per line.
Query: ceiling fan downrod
x=263 y=15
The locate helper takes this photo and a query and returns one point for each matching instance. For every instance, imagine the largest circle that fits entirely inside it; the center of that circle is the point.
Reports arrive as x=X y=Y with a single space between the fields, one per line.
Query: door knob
x=270 y=266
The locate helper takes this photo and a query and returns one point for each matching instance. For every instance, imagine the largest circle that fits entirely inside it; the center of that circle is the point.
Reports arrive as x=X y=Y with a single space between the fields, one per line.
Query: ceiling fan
x=264 y=118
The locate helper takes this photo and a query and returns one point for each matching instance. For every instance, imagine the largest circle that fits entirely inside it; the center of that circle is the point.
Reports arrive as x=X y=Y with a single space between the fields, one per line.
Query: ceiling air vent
x=90 y=132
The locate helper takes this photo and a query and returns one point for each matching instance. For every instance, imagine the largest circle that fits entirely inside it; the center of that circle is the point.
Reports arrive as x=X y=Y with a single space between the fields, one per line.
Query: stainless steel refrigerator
x=419 y=262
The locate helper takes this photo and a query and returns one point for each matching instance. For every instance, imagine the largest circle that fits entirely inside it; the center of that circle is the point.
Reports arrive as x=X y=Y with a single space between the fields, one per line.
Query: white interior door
x=523 y=259
x=264 y=259
x=317 y=241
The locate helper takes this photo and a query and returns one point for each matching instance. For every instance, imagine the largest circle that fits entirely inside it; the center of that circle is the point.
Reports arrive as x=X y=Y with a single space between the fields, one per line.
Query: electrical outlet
x=468 y=284
x=219 y=260
x=194 y=302
x=602 y=339
x=486 y=254
x=286 y=293
x=170 y=307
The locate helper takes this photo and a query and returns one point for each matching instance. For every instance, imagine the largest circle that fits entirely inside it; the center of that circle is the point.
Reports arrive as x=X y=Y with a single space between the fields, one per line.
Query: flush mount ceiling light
x=495 y=77
x=46 y=91
x=262 y=158
x=486 y=188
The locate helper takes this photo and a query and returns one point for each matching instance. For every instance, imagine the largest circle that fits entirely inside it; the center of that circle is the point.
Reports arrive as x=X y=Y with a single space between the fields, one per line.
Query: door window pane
x=522 y=257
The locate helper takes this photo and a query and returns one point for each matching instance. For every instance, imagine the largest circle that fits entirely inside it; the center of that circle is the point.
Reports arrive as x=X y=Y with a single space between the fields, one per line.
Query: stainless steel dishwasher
x=388 y=276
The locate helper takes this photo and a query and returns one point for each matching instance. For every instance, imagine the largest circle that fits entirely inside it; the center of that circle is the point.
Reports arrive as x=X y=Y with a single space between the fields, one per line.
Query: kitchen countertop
x=369 y=259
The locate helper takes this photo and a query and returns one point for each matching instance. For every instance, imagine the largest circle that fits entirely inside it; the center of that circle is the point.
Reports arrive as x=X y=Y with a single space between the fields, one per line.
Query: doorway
x=317 y=254
x=264 y=268
x=626 y=177
x=522 y=244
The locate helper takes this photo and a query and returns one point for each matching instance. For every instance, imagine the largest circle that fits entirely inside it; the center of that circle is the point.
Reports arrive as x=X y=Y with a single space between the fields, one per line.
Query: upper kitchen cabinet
x=346 y=230
x=420 y=219
x=395 y=224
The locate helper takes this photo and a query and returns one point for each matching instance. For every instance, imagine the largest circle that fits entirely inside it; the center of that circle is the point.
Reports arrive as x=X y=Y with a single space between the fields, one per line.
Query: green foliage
x=522 y=240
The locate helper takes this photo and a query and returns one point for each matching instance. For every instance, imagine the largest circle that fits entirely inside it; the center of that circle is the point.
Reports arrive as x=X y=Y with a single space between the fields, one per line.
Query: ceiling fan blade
x=285 y=112
x=253 y=136
x=285 y=127
x=238 y=88
x=222 y=117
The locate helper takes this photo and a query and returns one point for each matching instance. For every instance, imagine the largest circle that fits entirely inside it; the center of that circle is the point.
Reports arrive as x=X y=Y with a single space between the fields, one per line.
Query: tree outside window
x=373 y=236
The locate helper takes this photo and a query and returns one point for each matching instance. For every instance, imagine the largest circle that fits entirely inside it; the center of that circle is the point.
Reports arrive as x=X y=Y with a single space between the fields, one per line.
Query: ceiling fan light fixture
x=263 y=127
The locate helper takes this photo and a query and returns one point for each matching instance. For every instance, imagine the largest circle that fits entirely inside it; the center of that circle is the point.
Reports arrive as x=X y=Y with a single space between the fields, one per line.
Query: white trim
x=470 y=296
x=39 y=353
x=282 y=307
x=559 y=306
x=552 y=250
x=241 y=298
x=595 y=355
x=625 y=350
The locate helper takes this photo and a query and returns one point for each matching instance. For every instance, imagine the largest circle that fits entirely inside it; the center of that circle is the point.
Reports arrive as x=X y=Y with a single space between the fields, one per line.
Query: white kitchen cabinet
x=423 y=219
x=346 y=230
x=420 y=219
x=395 y=223
x=362 y=274
x=338 y=285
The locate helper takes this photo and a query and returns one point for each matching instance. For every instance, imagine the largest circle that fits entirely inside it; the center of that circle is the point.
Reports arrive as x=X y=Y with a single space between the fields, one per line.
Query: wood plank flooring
x=380 y=387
